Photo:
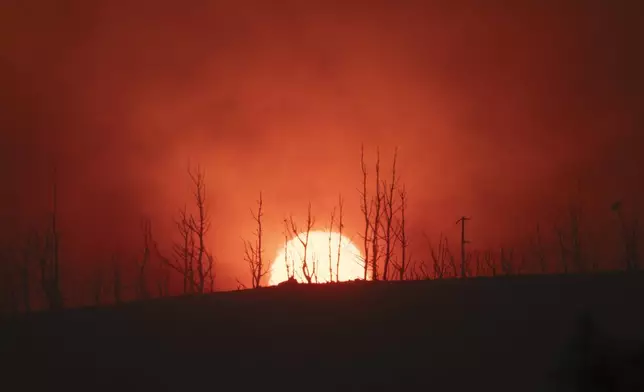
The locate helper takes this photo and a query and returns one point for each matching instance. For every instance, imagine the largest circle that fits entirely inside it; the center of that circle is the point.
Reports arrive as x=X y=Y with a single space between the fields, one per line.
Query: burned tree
x=462 y=221
x=570 y=240
x=402 y=237
x=142 y=285
x=145 y=266
x=575 y=238
x=506 y=259
x=389 y=211
x=192 y=258
x=309 y=272
x=379 y=217
x=253 y=251
x=630 y=238
x=488 y=256
x=340 y=227
x=439 y=255
x=200 y=225
x=375 y=225
x=49 y=259
x=290 y=268
x=331 y=245
x=563 y=250
x=338 y=250
x=185 y=250
x=366 y=208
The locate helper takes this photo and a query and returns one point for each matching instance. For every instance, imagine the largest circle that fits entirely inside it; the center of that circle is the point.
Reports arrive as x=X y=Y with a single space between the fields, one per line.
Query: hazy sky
x=498 y=109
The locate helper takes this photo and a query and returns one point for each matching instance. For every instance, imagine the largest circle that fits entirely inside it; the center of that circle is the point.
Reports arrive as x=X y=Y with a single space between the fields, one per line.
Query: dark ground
x=486 y=334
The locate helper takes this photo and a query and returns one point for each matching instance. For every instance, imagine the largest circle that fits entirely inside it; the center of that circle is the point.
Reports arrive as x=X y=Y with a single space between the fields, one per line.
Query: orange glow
x=500 y=111
x=351 y=264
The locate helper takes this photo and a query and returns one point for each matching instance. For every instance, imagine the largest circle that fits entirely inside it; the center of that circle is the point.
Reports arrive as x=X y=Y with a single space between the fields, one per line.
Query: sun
x=351 y=264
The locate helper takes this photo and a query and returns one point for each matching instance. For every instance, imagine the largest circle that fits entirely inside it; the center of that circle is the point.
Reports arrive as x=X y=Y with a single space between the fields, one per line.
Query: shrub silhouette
x=288 y=283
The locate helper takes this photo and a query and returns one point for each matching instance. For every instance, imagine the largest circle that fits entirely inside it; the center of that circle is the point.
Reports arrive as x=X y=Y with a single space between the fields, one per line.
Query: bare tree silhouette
x=452 y=262
x=185 y=251
x=575 y=238
x=389 y=211
x=570 y=247
x=193 y=260
x=506 y=260
x=142 y=264
x=439 y=256
x=331 y=245
x=563 y=250
x=50 y=256
x=477 y=258
x=200 y=227
x=366 y=208
x=34 y=265
x=488 y=256
x=290 y=268
x=462 y=221
x=253 y=251
x=340 y=227
x=630 y=238
x=163 y=278
x=309 y=272
x=402 y=237
x=376 y=224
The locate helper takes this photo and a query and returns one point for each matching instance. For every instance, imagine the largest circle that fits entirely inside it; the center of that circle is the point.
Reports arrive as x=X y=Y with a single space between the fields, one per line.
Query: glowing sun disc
x=351 y=260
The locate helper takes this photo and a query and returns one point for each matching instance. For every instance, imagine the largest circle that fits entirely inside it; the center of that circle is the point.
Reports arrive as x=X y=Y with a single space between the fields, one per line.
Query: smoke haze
x=502 y=112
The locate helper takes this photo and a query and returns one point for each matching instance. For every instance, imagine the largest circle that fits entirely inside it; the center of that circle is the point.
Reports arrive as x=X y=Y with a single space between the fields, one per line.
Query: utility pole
x=463 y=242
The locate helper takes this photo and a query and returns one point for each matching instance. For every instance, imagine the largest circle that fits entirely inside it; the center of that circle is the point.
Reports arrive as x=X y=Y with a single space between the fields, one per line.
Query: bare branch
x=240 y=285
x=50 y=257
x=507 y=261
x=142 y=290
x=376 y=226
x=630 y=238
x=438 y=255
x=489 y=261
x=563 y=250
x=390 y=209
x=253 y=252
x=365 y=208
x=462 y=221
x=401 y=234
x=330 y=245
x=290 y=270
x=340 y=227
x=308 y=272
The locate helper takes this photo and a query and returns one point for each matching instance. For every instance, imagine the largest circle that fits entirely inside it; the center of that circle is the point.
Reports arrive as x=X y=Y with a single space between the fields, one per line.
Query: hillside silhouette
x=501 y=334
x=321 y=195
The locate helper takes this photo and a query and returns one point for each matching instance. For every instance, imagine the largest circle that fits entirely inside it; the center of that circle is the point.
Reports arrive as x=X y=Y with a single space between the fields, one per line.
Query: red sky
x=498 y=109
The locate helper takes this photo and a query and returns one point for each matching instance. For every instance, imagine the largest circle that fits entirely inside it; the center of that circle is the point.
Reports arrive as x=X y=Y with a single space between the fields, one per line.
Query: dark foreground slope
x=486 y=334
